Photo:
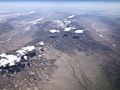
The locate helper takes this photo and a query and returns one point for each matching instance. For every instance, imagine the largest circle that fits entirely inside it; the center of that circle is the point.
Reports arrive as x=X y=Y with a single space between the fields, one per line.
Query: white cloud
x=79 y=31
x=11 y=59
x=71 y=16
x=101 y=36
x=32 y=12
x=67 y=29
x=36 y=21
x=54 y=31
x=41 y=43
x=28 y=48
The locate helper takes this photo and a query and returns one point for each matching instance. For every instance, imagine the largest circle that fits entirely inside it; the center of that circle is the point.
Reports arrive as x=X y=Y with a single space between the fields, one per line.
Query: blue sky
x=61 y=0
x=107 y=5
x=111 y=6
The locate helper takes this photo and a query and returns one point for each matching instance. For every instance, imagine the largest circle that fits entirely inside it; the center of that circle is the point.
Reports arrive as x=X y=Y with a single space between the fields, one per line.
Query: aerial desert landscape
x=59 y=50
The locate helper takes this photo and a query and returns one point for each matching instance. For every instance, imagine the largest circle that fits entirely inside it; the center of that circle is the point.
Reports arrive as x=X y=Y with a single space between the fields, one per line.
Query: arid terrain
x=70 y=51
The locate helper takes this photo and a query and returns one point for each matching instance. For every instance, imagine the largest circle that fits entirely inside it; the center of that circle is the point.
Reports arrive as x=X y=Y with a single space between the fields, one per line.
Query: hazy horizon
x=105 y=6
